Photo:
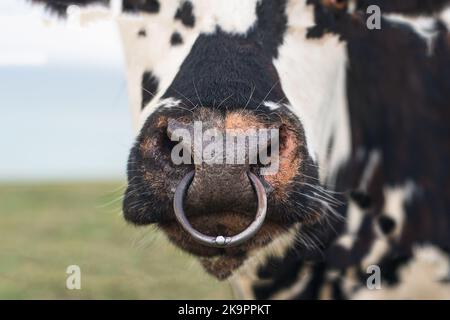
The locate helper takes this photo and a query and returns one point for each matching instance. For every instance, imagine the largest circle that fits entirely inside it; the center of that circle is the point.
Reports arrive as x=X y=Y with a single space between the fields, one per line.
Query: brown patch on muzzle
x=243 y=121
x=290 y=162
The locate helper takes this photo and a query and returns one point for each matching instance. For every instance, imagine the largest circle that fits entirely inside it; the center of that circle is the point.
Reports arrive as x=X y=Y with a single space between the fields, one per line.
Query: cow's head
x=233 y=66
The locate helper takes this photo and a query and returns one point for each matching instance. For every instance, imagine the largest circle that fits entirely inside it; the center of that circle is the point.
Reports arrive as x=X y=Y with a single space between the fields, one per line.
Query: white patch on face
x=425 y=27
x=313 y=75
x=153 y=52
x=232 y=16
x=157 y=103
x=271 y=105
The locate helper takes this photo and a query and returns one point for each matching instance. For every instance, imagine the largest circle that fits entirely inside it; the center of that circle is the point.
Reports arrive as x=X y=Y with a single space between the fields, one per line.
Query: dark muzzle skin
x=221 y=241
x=220 y=199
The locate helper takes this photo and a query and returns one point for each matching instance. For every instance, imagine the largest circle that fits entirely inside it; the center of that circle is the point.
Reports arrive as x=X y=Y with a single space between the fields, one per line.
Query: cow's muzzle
x=220 y=241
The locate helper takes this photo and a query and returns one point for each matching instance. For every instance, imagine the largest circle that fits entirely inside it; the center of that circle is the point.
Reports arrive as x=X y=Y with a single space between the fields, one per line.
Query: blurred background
x=65 y=133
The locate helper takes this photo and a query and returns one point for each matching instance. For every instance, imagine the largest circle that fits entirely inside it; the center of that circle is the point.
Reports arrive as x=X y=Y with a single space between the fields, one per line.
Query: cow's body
x=374 y=107
x=397 y=93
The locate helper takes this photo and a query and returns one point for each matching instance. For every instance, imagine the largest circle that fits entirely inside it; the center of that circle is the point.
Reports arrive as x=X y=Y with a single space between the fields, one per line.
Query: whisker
x=194 y=105
x=196 y=92
x=223 y=101
x=270 y=90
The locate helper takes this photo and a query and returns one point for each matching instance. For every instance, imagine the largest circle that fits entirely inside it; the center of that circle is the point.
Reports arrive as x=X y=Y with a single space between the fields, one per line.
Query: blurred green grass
x=46 y=228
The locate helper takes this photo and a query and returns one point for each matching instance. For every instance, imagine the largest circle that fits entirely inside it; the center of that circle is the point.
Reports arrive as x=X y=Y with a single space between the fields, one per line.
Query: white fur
x=312 y=74
x=445 y=17
x=154 y=52
x=376 y=252
x=232 y=16
x=271 y=105
x=354 y=219
x=395 y=199
x=154 y=105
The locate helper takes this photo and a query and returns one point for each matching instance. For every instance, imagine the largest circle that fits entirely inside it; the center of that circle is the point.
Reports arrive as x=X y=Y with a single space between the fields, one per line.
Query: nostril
x=175 y=141
x=168 y=144
x=187 y=187
x=178 y=149
x=276 y=150
x=264 y=155
x=270 y=148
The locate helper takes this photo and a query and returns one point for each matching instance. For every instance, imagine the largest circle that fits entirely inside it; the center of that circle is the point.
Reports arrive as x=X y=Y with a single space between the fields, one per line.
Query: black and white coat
x=375 y=110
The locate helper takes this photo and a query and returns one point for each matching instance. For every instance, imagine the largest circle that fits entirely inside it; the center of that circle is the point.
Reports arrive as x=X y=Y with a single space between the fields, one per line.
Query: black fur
x=398 y=100
x=398 y=104
x=148 y=6
x=60 y=6
x=386 y=223
x=142 y=33
x=185 y=14
x=223 y=65
x=176 y=39
x=361 y=198
x=149 y=87
x=406 y=6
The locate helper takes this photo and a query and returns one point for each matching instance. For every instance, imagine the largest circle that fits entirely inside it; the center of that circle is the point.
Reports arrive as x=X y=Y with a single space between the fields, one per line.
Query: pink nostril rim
x=220 y=241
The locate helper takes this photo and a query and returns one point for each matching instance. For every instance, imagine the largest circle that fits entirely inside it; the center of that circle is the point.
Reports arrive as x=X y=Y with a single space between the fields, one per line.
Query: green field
x=45 y=228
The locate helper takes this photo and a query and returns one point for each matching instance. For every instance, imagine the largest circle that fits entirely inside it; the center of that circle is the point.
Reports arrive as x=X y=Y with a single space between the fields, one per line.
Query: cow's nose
x=220 y=184
x=220 y=187
x=217 y=185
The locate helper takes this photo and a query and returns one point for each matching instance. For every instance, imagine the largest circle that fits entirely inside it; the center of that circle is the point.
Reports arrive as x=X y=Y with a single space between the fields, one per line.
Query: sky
x=63 y=103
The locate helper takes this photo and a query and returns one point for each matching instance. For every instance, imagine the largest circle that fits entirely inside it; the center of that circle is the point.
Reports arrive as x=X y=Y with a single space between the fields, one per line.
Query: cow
x=362 y=114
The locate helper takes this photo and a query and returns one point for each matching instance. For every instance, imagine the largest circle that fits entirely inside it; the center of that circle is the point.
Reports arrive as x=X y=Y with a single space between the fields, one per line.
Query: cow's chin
x=221 y=262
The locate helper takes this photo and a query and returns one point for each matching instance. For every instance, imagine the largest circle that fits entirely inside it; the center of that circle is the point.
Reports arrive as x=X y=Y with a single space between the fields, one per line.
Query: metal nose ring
x=220 y=241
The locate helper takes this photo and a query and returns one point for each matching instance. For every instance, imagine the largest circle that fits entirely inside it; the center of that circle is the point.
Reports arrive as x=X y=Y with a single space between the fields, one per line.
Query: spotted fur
x=367 y=112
